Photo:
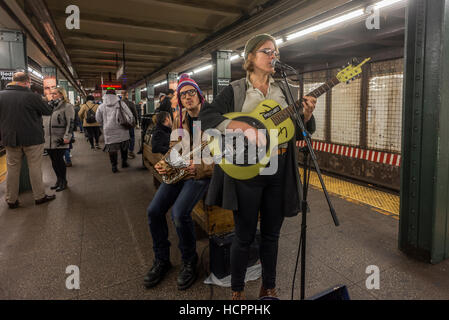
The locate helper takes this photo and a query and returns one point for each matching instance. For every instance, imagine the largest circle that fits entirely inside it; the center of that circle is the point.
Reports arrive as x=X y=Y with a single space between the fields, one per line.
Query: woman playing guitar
x=275 y=196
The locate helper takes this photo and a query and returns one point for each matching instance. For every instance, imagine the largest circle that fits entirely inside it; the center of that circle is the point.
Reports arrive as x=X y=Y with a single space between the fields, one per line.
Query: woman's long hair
x=63 y=93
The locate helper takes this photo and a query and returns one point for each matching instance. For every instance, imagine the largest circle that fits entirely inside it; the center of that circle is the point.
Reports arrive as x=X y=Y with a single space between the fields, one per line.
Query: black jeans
x=264 y=194
x=93 y=133
x=57 y=162
x=182 y=197
x=113 y=156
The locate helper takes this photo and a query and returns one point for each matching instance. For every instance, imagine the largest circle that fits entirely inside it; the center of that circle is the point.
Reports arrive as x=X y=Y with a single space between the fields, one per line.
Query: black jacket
x=222 y=188
x=166 y=106
x=21 y=114
x=160 y=140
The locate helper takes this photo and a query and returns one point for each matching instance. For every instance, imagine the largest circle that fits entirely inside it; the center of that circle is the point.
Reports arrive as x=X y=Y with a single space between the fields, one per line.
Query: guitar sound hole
x=241 y=155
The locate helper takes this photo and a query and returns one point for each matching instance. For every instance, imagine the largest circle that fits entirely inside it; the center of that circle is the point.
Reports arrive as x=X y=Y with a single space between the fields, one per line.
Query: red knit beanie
x=185 y=80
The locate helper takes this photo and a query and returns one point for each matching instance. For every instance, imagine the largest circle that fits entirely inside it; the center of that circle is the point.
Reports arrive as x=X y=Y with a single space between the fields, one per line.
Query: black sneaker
x=45 y=199
x=14 y=205
x=156 y=273
x=188 y=274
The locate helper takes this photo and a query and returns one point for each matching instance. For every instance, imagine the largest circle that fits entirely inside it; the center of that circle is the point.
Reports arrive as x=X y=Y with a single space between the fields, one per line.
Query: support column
x=150 y=97
x=138 y=95
x=13 y=54
x=64 y=84
x=221 y=72
x=71 y=94
x=424 y=218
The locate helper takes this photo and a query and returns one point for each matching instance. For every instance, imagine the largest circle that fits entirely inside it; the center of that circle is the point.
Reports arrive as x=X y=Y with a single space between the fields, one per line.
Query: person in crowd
x=22 y=135
x=139 y=108
x=181 y=197
x=87 y=115
x=58 y=128
x=68 y=151
x=116 y=136
x=160 y=139
x=132 y=135
x=165 y=105
x=276 y=196
x=78 y=121
x=162 y=96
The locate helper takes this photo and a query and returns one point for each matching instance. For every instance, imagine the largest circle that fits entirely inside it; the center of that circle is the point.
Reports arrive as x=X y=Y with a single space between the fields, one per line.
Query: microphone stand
x=307 y=151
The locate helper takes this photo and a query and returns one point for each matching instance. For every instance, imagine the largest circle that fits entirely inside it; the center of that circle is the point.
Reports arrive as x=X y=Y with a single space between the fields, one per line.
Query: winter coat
x=222 y=188
x=21 y=114
x=160 y=139
x=107 y=115
x=83 y=113
x=59 y=125
x=166 y=106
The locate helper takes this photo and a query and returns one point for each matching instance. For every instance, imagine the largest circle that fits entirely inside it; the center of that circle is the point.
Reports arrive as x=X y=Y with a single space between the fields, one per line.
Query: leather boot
x=268 y=293
x=188 y=273
x=156 y=273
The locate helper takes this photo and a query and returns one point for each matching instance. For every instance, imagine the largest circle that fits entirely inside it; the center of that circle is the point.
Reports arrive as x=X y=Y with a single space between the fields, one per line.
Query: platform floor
x=99 y=224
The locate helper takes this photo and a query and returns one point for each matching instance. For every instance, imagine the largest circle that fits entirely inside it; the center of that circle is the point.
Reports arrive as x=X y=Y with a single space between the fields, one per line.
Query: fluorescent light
x=327 y=24
x=236 y=56
x=37 y=74
x=386 y=3
x=160 y=83
x=144 y=89
x=202 y=69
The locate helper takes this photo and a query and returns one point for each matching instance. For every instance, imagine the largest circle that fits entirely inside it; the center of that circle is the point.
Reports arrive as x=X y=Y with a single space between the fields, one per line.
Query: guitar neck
x=290 y=111
x=324 y=88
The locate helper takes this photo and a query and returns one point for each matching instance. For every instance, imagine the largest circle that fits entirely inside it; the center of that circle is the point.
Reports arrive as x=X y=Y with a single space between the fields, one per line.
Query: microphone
x=281 y=65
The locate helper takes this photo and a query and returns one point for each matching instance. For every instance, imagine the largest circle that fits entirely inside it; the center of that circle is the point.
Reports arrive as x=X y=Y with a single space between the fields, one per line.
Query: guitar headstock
x=352 y=71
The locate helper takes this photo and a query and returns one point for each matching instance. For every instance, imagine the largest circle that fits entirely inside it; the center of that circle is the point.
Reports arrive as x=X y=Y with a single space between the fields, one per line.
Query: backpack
x=90 y=116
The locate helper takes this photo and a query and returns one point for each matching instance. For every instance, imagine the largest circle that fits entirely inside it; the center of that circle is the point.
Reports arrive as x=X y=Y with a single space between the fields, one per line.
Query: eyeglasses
x=191 y=93
x=269 y=52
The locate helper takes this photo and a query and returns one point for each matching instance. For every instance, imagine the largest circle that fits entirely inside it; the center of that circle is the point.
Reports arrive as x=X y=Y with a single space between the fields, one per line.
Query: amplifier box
x=220 y=253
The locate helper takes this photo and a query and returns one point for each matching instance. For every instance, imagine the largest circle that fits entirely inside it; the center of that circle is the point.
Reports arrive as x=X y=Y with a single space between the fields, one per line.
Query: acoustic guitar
x=243 y=161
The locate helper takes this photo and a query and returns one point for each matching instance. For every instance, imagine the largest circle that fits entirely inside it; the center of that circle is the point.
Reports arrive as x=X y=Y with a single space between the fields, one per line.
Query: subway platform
x=99 y=225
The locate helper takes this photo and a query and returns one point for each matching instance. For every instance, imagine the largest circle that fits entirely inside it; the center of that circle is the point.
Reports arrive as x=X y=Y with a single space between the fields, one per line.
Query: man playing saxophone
x=180 y=196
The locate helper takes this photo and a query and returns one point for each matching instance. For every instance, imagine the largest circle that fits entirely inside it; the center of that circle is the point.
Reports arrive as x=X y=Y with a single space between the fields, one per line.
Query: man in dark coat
x=132 y=135
x=166 y=103
x=22 y=134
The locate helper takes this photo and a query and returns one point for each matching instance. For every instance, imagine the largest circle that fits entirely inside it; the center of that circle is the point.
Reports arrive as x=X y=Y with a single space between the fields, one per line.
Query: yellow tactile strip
x=2 y=168
x=382 y=202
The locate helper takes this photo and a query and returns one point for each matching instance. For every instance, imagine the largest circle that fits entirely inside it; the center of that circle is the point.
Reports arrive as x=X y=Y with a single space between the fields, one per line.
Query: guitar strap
x=239 y=87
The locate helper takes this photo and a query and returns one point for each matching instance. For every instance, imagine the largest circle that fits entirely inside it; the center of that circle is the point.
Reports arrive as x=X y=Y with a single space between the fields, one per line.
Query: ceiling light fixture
x=327 y=24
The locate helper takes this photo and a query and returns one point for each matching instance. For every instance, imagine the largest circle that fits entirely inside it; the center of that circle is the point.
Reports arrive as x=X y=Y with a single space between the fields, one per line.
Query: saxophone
x=176 y=165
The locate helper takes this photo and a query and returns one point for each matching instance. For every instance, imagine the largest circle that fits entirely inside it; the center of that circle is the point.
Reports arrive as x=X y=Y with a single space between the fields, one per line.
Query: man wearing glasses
x=181 y=196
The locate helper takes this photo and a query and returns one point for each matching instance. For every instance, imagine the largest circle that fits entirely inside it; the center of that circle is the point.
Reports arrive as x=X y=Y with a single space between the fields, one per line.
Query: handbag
x=123 y=119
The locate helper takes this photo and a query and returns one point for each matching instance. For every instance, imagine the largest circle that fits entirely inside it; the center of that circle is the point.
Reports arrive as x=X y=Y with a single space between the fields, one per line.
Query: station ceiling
x=161 y=36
